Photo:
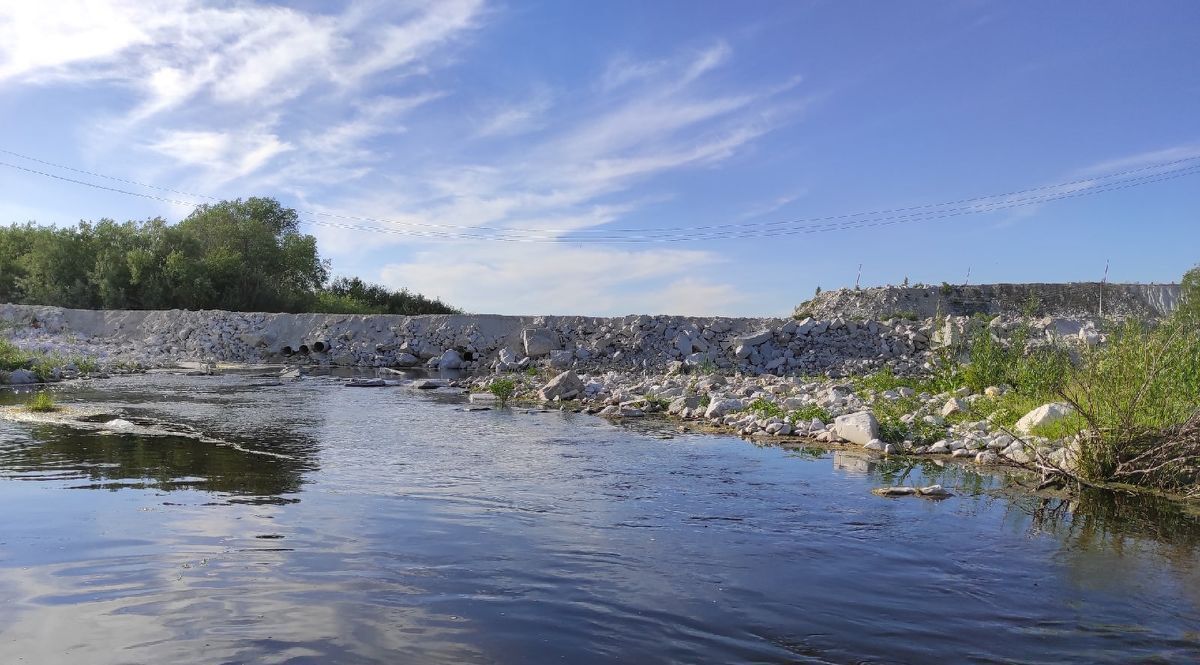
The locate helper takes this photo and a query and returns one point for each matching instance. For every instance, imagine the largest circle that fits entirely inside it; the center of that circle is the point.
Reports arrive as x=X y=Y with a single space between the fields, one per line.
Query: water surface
x=339 y=525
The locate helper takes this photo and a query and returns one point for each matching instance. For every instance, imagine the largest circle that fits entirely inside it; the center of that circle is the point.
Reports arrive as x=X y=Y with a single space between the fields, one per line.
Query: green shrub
x=765 y=408
x=1040 y=373
x=809 y=411
x=892 y=431
x=85 y=364
x=1132 y=392
x=42 y=402
x=503 y=389
x=12 y=357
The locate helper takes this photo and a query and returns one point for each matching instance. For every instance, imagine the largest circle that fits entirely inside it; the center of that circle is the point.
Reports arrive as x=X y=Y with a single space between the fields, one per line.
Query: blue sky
x=576 y=121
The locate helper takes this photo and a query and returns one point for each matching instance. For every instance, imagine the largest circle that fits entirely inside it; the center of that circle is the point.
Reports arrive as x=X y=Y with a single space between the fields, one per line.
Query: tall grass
x=41 y=364
x=1136 y=394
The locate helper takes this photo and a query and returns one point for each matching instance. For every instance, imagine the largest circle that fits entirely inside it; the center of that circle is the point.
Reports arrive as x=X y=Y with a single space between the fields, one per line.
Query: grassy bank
x=1135 y=399
x=42 y=365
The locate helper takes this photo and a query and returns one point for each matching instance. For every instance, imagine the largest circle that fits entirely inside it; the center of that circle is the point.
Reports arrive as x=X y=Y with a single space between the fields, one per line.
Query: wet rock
x=934 y=491
x=894 y=491
x=366 y=383
x=20 y=377
x=450 y=359
x=987 y=457
x=430 y=384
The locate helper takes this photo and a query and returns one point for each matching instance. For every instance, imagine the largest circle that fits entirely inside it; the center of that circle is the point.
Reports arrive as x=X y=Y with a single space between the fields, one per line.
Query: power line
x=1093 y=181
x=106 y=177
x=927 y=212
x=859 y=224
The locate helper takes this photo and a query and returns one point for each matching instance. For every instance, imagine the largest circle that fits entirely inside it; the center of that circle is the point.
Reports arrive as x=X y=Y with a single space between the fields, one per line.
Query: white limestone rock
x=858 y=428
x=1043 y=415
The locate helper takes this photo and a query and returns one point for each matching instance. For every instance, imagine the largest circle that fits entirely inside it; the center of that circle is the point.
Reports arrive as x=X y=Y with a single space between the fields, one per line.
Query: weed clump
x=503 y=389
x=42 y=402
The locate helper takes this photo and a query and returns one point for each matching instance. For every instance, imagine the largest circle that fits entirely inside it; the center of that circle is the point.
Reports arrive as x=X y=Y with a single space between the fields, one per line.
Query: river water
x=321 y=524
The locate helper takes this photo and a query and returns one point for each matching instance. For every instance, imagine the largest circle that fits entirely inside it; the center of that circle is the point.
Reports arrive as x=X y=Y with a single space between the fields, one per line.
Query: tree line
x=242 y=255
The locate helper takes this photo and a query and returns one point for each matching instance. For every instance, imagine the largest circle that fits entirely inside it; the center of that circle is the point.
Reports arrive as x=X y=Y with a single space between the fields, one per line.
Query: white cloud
x=234 y=154
x=544 y=279
x=1141 y=160
x=517 y=118
x=44 y=39
x=334 y=110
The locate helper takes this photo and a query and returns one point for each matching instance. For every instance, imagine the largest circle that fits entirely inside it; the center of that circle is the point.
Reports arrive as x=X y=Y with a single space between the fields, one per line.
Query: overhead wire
x=980 y=204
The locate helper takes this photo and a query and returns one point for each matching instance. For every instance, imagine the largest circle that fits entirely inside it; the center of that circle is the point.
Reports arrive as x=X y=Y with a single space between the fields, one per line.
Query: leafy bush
x=892 y=431
x=1040 y=373
x=503 y=389
x=1132 y=392
x=12 y=357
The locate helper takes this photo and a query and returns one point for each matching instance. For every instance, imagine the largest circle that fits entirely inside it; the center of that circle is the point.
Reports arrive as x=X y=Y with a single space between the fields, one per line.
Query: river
x=314 y=523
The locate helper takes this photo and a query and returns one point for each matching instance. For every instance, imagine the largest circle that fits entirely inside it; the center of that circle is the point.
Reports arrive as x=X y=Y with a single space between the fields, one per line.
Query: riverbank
x=892 y=387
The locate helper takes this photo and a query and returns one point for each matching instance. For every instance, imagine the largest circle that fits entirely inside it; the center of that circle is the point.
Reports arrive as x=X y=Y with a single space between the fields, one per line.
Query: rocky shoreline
x=778 y=378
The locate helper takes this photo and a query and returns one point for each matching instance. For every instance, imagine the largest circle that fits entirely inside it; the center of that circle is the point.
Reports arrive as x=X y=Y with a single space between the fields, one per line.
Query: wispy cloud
x=346 y=112
x=518 y=117
x=1142 y=159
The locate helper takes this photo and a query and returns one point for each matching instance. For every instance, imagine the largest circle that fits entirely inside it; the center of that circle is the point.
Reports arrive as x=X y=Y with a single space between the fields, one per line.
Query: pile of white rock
x=825 y=411
x=750 y=346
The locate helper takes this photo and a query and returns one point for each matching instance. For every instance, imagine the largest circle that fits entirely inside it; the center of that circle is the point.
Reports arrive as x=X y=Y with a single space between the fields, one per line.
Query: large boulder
x=561 y=358
x=721 y=407
x=1043 y=415
x=564 y=386
x=539 y=342
x=754 y=339
x=858 y=428
x=450 y=360
x=20 y=377
x=685 y=403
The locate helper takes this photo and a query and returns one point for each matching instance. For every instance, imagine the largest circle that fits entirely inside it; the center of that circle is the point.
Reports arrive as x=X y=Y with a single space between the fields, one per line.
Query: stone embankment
x=755 y=377
x=473 y=343
x=1074 y=300
x=781 y=347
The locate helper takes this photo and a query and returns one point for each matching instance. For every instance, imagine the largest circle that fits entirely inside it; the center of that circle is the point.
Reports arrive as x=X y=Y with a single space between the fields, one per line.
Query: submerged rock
x=894 y=491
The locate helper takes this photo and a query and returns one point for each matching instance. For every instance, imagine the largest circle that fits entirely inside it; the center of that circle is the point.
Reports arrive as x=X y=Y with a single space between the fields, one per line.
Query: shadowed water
x=391 y=526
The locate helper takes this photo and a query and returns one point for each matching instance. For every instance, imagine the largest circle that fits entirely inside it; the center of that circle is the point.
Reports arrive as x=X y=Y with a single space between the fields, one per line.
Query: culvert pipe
x=321 y=346
x=287 y=350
